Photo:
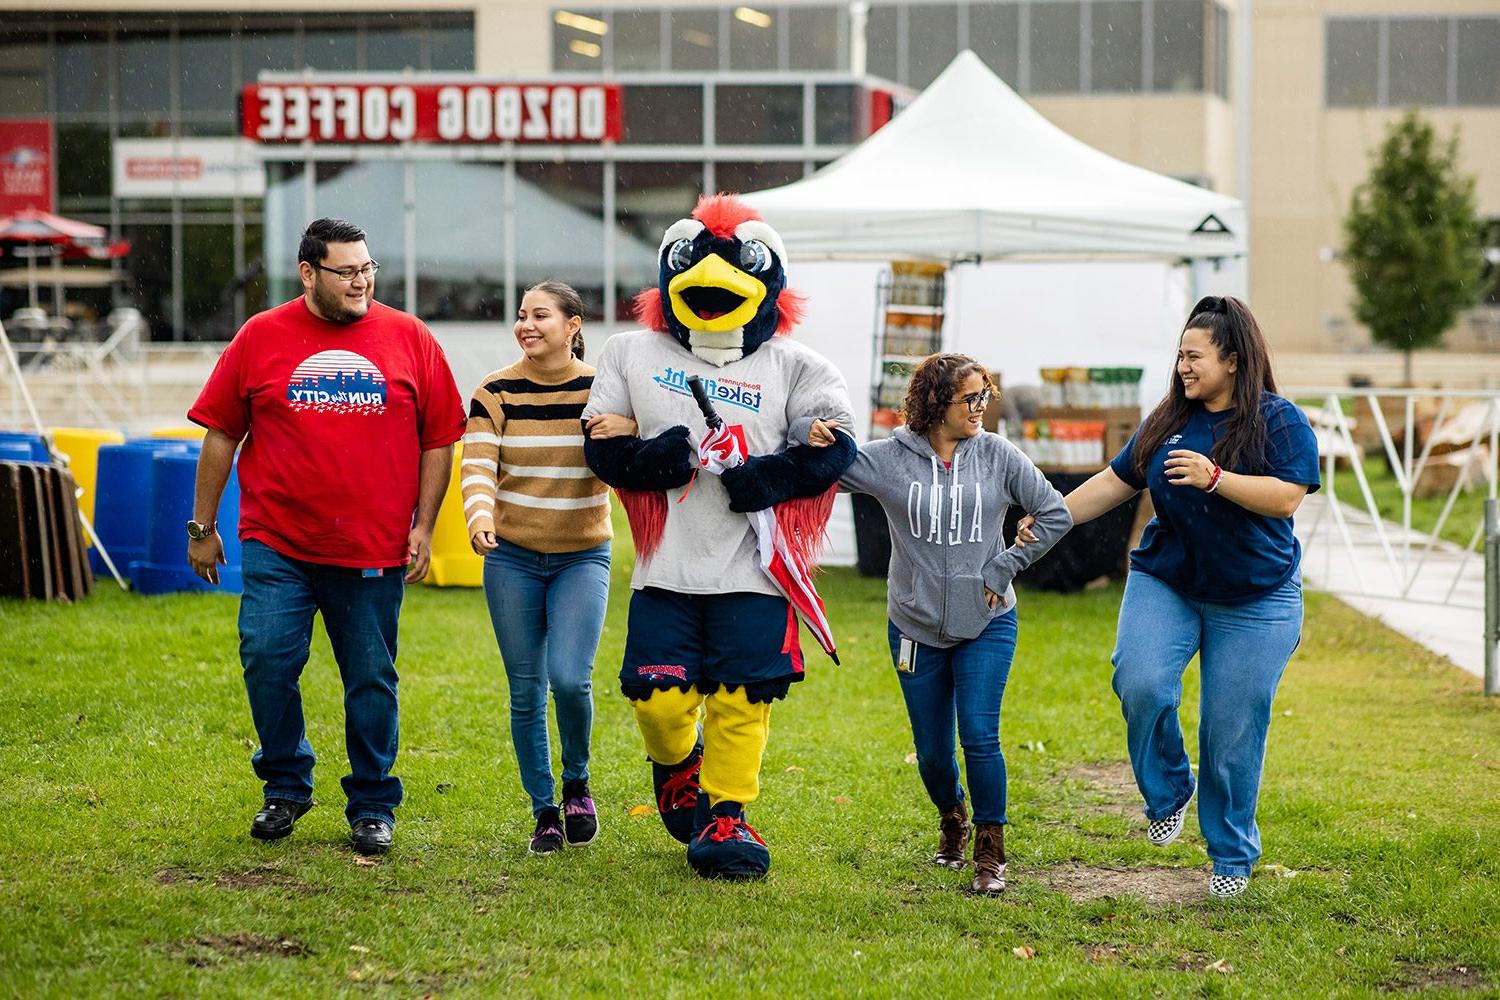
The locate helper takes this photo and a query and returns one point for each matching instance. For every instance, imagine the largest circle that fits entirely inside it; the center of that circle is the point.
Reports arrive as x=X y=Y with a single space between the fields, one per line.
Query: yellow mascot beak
x=714 y=296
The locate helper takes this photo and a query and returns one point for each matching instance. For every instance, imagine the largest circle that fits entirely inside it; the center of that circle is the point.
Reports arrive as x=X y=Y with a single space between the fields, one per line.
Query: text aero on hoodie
x=946 y=544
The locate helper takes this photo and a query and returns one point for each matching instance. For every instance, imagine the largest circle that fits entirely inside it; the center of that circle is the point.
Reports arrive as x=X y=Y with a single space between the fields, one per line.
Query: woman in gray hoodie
x=945 y=484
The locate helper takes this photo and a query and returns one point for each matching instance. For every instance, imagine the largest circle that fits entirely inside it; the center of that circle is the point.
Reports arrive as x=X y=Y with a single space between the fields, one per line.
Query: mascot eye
x=680 y=255
x=755 y=257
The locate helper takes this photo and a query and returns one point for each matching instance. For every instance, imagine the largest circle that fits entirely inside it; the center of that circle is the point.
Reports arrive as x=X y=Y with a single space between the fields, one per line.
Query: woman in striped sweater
x=541 y=520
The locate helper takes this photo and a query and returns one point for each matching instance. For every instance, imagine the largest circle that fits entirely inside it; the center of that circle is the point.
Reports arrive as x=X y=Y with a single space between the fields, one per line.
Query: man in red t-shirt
x=348 y=413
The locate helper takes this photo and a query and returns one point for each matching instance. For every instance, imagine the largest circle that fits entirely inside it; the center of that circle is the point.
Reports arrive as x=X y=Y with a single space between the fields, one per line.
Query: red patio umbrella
x=68 y=237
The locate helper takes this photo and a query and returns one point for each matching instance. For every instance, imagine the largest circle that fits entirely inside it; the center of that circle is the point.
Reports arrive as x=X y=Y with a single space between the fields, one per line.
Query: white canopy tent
x=971 y=171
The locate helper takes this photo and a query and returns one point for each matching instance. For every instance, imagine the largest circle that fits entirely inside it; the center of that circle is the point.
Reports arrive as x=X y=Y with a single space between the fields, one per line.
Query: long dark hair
x=571 y=304
x=932 y=386
x=1241 y=441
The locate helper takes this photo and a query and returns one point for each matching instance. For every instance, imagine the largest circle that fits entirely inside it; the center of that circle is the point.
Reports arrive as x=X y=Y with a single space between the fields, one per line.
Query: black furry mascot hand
x=663 y=462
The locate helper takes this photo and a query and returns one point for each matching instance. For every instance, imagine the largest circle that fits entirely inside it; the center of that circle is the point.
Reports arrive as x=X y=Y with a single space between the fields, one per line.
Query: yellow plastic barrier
x=191 y=432
x=81 y=445
x=454 y=563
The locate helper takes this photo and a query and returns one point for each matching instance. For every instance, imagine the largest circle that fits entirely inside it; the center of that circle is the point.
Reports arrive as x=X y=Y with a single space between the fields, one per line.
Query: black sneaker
x=276 y=818
x=371 y=836
x=548 y=838
x=677 y=793
x=580 y=821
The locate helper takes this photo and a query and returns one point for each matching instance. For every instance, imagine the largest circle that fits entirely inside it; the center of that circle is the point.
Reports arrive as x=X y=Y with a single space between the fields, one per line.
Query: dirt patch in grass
x=1414 y=977
x=210 y=949
x=1113 y=781
x=263 y=877
x=1157 y=886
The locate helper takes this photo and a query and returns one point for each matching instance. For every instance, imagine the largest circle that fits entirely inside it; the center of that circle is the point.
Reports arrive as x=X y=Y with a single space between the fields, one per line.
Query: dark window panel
x=635 y=37
x=221 y=127
x=451 y=48
x=145 y=68
x=1479 y=61
x=334 y=49
x=1222 y=60
x=1055 y=29
x=931 y=41
x=836 y=114
x=209 y=281
x=23 y=73
x=83 y=166
x=994 y=35
x=1418 y=72
x=1353 y=67
x=268 y=48
x=578 y=37
x=663 y=116
x=882 y=45
x=756 y=175
x=392 y=47
x=758 y=115
x=1177 y=64
x=695 y=39
x=207 y=68
x=150 y=285
x=253 y=278
x=752 y=37
x=814 y=38
x=82 y=72
x=1116 y=50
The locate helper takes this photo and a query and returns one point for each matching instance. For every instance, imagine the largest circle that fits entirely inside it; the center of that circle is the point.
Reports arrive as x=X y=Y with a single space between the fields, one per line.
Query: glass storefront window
x=331 y=48
x=145 y=68
x=753 y=43
x=1055 y=57
x=1418 y=61
x=994 y=35
x=150 y=269
x=84 y=168
x=263 y=47
x=392 y=47
x=450 y=48
x=1479 y=61
x=206 y=72
x=1177 y=46
x=253 y=280
x=460 y=234
x=649 y=197
x=635 y=38
x=82 y=72
x=209 y=281
x=1353 y=62
x=815 y=38
x=931 y=41
x=23 y=74
x=560 y=228
x=695 y=39
x=1116 y=52
x=756 y=175
x=663 y=115
x=578 y=38
x=758 y=115
x=882 y=41
x=836 y=114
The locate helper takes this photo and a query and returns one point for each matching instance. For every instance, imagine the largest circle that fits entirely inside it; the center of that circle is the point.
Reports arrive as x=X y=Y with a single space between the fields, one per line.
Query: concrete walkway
x=1443 y=609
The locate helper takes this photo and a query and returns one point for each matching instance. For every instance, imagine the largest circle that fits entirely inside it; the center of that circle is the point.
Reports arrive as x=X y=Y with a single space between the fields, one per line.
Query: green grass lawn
x=126 y=869
x=1467 y=512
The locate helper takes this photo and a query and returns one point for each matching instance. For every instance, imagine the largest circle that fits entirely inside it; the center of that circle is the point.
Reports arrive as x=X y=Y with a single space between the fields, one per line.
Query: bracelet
x=1213 y=480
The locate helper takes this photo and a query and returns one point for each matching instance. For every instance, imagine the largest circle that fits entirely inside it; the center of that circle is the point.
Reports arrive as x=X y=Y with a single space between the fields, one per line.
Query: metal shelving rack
x=908 y=327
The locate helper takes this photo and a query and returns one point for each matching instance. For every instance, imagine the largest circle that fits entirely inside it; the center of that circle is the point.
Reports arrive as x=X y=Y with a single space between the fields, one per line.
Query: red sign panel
x=475 y=112
x=25 y=166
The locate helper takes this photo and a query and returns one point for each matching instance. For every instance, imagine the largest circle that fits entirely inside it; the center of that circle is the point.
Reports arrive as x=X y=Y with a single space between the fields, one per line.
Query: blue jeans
x=276 y=622
x=548 y=612
x=963 y=683
x=1243 y=649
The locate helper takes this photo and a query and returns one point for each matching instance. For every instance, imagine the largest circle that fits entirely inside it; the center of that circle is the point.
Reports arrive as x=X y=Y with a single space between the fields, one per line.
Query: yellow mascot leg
x=669 y=723
x=734 y=739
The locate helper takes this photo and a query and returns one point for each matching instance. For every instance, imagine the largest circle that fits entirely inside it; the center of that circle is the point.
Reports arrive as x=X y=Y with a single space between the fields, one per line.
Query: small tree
x=1413 y=240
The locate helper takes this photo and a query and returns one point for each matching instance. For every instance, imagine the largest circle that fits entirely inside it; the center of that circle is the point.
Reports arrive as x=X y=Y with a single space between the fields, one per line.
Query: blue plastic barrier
x=165 y=567
x=18 y=447
x=122 y=498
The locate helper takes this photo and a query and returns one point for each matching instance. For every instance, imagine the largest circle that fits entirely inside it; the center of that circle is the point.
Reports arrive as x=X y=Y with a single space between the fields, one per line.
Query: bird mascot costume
x=726 y=513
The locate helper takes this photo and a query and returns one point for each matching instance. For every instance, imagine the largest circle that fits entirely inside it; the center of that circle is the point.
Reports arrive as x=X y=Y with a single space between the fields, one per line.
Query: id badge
x=906 y=656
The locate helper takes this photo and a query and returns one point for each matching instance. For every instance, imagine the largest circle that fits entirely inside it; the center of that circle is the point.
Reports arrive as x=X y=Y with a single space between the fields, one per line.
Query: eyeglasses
x=350 y=273
x=975 y=401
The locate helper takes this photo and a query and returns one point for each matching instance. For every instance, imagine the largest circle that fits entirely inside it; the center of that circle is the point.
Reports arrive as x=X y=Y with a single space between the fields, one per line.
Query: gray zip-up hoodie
x=945 y=528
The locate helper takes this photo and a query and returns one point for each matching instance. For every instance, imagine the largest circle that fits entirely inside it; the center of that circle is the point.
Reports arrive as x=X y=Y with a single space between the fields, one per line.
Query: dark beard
x=332 y=306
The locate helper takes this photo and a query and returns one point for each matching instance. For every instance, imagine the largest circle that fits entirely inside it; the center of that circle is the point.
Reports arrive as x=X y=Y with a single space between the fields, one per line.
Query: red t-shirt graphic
x=334 y=418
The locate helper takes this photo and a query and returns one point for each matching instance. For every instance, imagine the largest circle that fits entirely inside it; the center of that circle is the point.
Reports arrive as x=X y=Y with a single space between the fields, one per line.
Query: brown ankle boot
x=953 y=837
x=989 y=859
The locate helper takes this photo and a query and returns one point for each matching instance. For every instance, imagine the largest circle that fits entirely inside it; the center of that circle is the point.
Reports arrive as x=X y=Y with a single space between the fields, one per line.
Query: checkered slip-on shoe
x=1162 y=832
x=1227 y=886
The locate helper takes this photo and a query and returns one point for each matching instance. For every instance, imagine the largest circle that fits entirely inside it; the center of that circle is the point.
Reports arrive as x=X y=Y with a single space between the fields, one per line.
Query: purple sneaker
x=548 y=838
x=580 y=821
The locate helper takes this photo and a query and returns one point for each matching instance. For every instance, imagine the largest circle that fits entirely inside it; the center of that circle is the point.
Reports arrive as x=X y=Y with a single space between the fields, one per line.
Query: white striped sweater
x=524 y=477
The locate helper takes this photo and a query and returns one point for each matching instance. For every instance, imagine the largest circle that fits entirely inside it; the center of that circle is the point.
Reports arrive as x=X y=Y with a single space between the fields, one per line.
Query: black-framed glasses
x=350 y=273
x=975 y=401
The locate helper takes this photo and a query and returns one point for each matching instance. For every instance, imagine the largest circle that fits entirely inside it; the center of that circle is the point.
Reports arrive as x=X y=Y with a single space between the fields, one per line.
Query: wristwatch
x=198 y=531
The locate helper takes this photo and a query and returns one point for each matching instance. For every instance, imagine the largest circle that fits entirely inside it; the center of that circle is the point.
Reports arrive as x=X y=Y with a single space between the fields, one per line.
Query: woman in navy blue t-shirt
x=1227 y=462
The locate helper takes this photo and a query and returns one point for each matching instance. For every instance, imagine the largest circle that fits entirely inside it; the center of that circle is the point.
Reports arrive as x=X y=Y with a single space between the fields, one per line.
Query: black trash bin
x=872 y=536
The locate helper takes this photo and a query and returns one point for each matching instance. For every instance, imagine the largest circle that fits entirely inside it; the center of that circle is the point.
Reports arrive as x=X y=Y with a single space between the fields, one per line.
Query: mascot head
x=722 y=286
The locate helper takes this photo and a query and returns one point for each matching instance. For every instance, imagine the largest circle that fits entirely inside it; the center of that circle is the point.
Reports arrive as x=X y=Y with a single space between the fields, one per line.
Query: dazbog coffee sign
x=469 y=112
x=25 y=166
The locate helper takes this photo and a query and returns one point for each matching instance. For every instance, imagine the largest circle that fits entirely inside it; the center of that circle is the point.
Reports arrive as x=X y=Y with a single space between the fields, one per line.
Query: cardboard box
x=1119 y=422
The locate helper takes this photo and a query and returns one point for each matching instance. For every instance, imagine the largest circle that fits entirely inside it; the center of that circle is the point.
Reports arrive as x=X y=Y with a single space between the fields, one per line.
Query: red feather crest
x=722 y=213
